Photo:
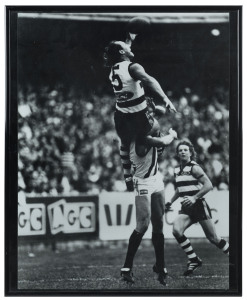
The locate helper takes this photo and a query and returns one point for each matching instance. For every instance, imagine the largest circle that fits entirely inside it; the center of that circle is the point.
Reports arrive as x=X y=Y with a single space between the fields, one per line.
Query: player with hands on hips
x=192 y=184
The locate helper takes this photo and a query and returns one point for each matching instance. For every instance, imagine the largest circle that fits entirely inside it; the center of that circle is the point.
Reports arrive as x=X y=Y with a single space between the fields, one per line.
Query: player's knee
x=145 y=227
x=177 y=232
x=141 y=150
x=142 y=225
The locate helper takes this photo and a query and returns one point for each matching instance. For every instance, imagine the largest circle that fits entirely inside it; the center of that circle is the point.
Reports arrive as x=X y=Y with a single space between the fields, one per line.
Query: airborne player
x=129 y=80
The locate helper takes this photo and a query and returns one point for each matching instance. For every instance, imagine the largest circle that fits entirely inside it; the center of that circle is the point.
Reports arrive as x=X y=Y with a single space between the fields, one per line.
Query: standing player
x=191 y=185
x=131 y=115
x=149 y=201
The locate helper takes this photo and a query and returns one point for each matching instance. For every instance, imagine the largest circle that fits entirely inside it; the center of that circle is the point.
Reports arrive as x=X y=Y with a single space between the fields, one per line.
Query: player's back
x=129 y=92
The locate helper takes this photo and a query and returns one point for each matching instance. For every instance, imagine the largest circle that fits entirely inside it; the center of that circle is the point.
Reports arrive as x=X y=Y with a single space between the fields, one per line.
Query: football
x=138 y=25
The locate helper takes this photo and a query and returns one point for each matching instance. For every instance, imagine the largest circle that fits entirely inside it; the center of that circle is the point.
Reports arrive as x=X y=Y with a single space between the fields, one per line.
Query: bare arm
x=204 y=180
x=173 y=199
x=130 y=38
x=138 y=73
x=175 y=196
x=143 y=144
x=160 y=141
x=206 y=186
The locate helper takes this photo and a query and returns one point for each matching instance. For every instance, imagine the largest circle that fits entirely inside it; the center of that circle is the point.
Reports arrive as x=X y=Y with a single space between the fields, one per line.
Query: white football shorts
x=148 y=186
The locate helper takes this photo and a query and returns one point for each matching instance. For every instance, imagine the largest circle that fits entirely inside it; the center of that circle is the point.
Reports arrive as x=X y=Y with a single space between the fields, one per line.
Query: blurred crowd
x=67 y=143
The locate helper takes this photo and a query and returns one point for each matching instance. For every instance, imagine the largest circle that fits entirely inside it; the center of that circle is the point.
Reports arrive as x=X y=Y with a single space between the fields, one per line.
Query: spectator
x=66 y=138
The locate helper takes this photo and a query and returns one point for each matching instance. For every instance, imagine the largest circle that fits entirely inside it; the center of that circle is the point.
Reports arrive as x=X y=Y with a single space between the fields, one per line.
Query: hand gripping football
x=138 y=25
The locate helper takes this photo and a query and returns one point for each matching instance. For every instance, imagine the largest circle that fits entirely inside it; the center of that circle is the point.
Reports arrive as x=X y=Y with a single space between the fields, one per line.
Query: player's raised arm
x=160 y=141
x=130 y=38
x=138 y=73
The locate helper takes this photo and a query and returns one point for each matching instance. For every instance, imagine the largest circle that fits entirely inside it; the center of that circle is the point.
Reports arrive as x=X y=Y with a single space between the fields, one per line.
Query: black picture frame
x=235 y=150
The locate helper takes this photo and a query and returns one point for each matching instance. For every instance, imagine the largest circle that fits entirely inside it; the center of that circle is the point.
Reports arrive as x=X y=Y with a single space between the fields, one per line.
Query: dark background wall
x=178 y=55
x=66 y=102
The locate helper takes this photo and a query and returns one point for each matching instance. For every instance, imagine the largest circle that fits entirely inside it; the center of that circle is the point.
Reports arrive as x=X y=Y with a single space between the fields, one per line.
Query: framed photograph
x=123 y=158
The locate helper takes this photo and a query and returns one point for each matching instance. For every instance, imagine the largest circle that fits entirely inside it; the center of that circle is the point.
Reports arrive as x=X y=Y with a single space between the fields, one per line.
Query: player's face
x=127 y=50
x=184 y=153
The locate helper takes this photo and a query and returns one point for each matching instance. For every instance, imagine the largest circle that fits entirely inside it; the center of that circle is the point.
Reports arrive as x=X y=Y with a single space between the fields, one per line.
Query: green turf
x=98 y=268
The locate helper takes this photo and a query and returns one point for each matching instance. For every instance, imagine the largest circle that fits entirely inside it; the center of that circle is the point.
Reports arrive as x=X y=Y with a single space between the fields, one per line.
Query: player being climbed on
x=192 y=184
x=149 y=200
x=129 y=80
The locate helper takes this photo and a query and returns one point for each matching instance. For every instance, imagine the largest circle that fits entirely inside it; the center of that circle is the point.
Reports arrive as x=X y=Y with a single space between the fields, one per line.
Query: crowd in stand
x=67 y=143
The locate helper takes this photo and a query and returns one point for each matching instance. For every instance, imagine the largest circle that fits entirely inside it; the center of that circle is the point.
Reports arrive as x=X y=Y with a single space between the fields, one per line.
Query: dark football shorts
x=199 y=211
x=130 y=125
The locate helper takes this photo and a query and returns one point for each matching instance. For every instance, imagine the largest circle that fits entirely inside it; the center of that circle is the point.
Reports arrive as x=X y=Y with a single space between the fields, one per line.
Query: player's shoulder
x=130 y=66
x=193 y=163
x=122 y=64
x=136 y=70
x=134 y=66
x=196 y=168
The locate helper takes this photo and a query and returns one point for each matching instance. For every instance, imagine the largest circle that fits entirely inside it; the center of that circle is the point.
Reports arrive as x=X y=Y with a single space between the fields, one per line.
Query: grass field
x=98 y=268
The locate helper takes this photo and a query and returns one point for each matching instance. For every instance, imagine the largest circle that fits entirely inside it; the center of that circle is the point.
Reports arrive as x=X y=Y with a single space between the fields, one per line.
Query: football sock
x=134 y=243
x=125 y=160
x=185 y=244
x=224 y=246
x=159 y=243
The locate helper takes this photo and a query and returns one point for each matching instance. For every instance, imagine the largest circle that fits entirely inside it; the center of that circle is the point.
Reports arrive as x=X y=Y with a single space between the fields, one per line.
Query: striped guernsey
x=186 y=183
x=129 y=92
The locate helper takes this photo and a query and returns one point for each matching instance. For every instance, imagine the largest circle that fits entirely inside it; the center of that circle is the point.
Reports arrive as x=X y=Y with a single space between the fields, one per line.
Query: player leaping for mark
x=131 y=116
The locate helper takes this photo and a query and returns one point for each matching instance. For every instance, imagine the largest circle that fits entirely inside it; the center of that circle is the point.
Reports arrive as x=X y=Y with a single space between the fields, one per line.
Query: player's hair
x=191 y=147
x=111 y=54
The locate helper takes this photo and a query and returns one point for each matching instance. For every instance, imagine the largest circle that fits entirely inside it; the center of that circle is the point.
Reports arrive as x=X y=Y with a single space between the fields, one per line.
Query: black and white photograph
x=123 y=151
